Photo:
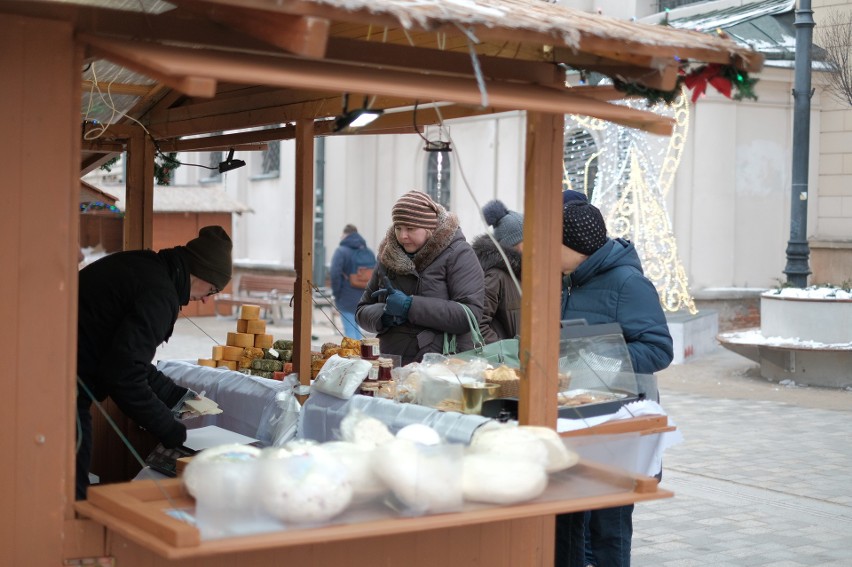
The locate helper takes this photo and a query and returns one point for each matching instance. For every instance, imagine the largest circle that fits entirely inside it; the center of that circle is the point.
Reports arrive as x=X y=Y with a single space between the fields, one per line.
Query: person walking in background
x=426 y=269
x=352 y=267
x=603 y=282
x=501 y=314
x=128 y=304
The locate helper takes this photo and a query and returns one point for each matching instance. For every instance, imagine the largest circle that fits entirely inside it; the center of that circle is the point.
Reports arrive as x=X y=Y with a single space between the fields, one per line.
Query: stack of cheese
x=243 y=346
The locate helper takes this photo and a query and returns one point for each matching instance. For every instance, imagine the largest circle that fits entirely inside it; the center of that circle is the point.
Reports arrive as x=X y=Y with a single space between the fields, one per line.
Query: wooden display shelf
x=644 y=425
x=137 y=511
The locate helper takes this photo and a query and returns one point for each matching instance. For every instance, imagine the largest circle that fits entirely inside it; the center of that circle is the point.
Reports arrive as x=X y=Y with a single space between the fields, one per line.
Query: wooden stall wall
x=40 y=114
x=176 y=229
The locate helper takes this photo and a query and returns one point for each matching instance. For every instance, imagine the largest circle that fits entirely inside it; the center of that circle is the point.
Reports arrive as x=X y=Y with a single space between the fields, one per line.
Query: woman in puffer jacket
x=501 y=315
x=426 y=269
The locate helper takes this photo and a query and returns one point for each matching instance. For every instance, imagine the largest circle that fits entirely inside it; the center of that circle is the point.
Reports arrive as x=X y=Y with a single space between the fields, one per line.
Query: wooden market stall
x=198 y=67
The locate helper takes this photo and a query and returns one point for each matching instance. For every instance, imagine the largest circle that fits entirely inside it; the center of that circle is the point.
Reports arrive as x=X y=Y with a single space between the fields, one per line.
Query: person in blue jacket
x=603 y=282
x=346 y=297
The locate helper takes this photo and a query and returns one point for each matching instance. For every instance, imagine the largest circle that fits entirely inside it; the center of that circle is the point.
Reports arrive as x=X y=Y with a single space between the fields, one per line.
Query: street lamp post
x=797 y=269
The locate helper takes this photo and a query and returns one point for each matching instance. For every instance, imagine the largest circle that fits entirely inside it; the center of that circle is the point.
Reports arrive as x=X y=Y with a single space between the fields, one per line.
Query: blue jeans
x=610 y=535
x=598 y=537
x=350 y=327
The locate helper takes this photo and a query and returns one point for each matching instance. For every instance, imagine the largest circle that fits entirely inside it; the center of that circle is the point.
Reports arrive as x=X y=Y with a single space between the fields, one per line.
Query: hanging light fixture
x=230 y=163
x=357 y=118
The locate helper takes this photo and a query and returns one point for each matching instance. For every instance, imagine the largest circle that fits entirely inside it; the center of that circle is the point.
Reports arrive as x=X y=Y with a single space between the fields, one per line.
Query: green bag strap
x=476 y=334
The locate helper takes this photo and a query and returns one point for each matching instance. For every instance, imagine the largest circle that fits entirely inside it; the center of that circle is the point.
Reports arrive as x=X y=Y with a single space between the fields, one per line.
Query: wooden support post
x=541 y=275
x=304 y=245
x=139 y=210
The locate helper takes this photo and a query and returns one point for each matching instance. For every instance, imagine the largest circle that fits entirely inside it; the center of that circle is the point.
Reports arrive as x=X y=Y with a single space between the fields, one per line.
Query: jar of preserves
x=370 y=349
x=385 y=367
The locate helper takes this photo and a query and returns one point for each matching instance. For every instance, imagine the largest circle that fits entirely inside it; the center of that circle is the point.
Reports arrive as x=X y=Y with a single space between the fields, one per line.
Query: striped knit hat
x=416 y=209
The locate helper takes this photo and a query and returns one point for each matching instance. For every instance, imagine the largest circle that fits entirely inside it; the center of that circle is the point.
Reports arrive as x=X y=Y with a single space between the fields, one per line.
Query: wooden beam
x=289 y=72
x=139 y=207
x=300 y=35
x=304 y=245
x=225 y=140
x=541 y=278
x=424 y=59
x=119 y=88
x=101 y=147
x=187 y=82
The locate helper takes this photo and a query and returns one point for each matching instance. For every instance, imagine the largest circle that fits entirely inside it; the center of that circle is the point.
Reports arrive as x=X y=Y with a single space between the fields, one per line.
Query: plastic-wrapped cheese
x=425 y=479
x=510 y=441
x=358 y=427
x=358 y=460
x=559 y=457
x=223 y=472
x=501 y=480
x=306 y=488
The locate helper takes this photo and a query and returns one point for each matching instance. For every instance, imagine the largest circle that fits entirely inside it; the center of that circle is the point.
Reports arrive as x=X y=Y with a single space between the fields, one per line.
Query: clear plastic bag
x=340 y=377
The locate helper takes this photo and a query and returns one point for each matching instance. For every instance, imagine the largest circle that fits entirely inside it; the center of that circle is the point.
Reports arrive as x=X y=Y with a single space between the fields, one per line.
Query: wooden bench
x=271 y=293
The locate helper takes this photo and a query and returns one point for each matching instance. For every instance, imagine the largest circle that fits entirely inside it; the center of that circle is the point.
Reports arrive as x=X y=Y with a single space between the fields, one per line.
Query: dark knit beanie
x=508 y=225
x=416 y=209
x=583 y=227
x=209 y=256
x=569 y=195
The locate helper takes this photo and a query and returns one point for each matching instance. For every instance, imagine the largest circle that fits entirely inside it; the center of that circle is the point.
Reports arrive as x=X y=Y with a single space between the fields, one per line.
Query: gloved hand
x=389 y=320
x=179 y=411
x=397 y=303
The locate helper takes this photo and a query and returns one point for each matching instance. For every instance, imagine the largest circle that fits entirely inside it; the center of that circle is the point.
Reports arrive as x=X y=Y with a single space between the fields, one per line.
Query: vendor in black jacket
x=128 y=305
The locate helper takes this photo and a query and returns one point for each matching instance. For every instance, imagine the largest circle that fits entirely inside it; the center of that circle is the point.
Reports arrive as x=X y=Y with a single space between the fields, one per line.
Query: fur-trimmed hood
x=394 y=258
x=489 y=256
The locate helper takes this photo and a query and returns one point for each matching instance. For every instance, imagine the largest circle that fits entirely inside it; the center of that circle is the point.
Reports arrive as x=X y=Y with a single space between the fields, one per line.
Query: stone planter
x=827 y=321
x=806 y=340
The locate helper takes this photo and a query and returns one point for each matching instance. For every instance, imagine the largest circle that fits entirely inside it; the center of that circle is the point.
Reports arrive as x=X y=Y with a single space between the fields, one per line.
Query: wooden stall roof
x=196 y=67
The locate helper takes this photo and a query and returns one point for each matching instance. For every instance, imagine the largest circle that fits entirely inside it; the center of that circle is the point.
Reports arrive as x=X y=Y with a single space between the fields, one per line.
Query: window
x=581 y=162
x=438 y=177
x=268 y=164
x=669 y=4
x=212 y=175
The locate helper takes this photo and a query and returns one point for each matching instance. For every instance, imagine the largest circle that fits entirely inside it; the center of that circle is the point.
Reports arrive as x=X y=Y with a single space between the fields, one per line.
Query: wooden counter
x=136 y=511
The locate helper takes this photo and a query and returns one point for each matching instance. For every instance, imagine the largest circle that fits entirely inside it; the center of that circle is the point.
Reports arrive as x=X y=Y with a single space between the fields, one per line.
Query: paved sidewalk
x=763 y=478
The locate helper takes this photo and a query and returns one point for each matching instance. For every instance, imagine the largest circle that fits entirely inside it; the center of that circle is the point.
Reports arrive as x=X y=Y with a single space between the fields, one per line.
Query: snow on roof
x=187 y=199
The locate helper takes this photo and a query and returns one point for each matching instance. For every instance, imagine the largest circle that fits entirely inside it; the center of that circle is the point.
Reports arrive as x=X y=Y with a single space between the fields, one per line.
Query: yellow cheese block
x=232 y=353
x=240 y=339
x=263 y=341
x=249 y=311
x=218 y=352
x=207 y=362
x=229 y=364
x=242 y=325
x=256 y=327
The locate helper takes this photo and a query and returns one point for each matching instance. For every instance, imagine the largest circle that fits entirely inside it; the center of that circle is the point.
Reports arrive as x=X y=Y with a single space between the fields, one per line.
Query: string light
x=635 y=172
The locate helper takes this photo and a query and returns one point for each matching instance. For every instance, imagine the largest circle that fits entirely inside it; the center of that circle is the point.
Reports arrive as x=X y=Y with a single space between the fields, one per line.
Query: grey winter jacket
x=501 y=315
x=443 y=273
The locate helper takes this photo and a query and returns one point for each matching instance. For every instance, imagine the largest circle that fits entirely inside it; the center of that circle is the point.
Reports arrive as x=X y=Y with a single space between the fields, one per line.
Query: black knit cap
x=209 y=256
x=583 y=227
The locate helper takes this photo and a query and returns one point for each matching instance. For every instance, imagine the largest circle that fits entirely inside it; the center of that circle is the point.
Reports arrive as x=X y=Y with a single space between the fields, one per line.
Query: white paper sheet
x=212 y=436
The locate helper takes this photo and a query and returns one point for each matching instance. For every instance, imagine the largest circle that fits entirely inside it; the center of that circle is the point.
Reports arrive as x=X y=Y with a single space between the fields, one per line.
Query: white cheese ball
x=419 y=433
x=559 y=457
x=225 y=472
x=511 y=442
x=307 y=488
x=425 y=479
x=358 y=427
x=496 y=479
x=358 y=461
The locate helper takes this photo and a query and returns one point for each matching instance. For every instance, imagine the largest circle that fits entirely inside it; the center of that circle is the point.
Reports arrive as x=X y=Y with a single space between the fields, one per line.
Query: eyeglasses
x=213 y=290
